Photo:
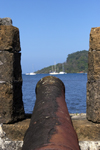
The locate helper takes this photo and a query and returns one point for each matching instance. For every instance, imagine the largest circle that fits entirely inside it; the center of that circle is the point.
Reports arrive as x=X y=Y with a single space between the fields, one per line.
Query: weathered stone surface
x=89 y=145
x=93 y=83
x=11 y=104
x=11 y=135
x=93 y=65
x=9 y=38
x=7 y=144
x=5 y=21
x=10 y=67
x=88 y=133
x=95 y=39
x=86 y=130
x=17 y=130
x=93 y=101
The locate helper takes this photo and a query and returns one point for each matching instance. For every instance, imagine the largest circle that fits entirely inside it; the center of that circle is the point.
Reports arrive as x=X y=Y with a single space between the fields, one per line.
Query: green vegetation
x=76 y=62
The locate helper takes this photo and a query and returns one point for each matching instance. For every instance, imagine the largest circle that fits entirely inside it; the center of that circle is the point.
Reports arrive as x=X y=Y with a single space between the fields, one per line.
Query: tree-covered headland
x=75 y=63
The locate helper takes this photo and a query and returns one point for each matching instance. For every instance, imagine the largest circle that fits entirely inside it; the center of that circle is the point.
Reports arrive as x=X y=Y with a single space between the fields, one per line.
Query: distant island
x=75 y=63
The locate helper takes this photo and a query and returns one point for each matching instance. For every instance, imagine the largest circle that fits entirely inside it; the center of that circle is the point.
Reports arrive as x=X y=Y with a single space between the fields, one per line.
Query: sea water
x=75 y=91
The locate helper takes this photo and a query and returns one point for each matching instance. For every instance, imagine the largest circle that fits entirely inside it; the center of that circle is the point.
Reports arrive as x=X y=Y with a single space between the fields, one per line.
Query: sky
x=51 y=29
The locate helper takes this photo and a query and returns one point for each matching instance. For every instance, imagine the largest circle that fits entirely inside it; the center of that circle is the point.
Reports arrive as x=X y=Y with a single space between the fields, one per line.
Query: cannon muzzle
x=51 y=126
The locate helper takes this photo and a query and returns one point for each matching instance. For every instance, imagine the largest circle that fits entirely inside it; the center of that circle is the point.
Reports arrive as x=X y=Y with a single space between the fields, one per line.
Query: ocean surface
x=75 y=91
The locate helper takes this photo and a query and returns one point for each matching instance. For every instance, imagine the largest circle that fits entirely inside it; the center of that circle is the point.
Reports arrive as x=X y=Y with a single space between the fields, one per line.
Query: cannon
x=50 y=126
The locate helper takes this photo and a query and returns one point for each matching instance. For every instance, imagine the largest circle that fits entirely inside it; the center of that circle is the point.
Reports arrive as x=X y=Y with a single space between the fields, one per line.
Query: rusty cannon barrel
x=50 y=126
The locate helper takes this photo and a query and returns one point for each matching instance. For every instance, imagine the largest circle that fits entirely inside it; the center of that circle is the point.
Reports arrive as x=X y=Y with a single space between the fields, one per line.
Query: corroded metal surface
x=50 y=127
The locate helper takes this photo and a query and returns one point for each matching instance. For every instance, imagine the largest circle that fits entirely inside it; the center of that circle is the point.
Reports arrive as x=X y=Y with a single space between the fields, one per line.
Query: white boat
x=31 y=73
x=54 y=72
x=62 y=72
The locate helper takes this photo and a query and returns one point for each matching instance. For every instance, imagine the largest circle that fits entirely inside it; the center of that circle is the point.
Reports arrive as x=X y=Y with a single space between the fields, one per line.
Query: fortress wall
x=93 y=83
x=11 y=104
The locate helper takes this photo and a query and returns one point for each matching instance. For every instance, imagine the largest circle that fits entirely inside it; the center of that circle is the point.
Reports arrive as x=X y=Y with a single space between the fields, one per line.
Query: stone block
x=10 y=67
x=95 y=39
x=5 y=21
x=94 y=65
x=86 y=130
x=11 y=104
x=93 y=101
x=9 y=38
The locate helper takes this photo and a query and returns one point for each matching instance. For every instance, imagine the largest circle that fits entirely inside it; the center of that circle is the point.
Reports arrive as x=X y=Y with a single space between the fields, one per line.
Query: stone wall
x=7 y=143
x=93 y=83
x=11 y=104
